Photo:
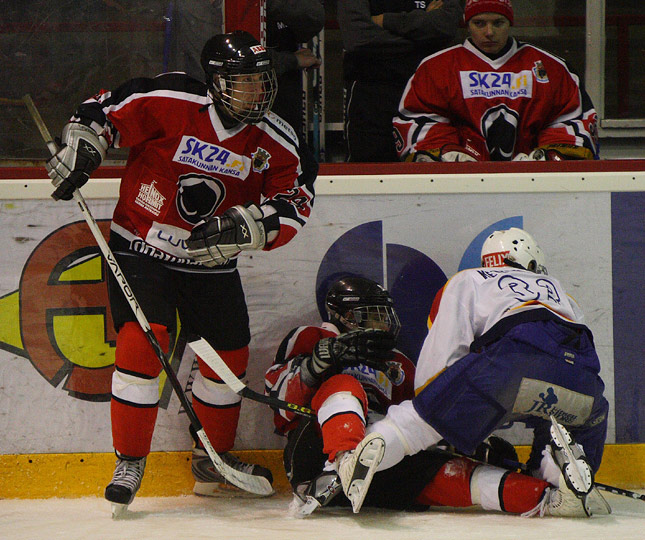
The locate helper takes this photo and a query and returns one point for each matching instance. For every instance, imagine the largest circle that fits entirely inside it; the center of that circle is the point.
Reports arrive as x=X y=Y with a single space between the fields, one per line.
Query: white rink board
x=572 y=227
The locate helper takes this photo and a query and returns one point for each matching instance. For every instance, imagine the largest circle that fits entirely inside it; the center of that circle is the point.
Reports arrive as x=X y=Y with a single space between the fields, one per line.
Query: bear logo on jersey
x=540 y=72
x=198 y=196
x=260 y=160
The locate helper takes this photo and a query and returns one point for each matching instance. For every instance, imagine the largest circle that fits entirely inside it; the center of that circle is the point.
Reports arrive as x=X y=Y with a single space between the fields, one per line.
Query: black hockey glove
x=497 y=451
x=331 y=355
x=82 y=152
x=221 y=238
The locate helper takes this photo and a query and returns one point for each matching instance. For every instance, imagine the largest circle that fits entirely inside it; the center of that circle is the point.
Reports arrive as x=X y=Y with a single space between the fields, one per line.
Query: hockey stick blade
x=247 y=482
x=205 y=351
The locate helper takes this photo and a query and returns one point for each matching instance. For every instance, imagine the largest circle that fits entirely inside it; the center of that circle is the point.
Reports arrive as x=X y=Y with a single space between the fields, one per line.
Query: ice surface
x=192 y=517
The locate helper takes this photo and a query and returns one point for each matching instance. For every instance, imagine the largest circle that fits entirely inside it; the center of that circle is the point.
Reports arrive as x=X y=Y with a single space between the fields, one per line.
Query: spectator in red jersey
x=505 y=100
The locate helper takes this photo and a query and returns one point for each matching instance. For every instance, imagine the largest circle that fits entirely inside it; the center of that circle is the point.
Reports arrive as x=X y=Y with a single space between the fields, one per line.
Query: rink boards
x=409 y=226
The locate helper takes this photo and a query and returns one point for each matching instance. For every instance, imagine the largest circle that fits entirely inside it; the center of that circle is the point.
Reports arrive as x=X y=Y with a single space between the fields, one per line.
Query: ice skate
x=210 y=483
x=311 y=495
x=357 y=467
x=125 y=483
x=576 y=495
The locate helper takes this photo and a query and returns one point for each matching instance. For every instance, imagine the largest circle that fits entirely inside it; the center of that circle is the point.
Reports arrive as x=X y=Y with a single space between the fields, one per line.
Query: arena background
x=408 y=226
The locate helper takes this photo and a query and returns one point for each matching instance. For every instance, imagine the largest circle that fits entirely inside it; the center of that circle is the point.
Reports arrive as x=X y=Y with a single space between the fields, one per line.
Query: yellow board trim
x=42 y=476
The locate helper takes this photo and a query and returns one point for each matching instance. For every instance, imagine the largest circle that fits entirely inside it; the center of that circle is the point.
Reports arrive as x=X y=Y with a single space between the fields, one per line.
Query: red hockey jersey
x=185 y=164
x=283 y=379
x=499 y=108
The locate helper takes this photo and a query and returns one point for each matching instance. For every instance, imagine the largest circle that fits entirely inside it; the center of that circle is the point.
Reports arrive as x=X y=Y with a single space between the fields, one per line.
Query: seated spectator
x=506 y=100
x=383 y=44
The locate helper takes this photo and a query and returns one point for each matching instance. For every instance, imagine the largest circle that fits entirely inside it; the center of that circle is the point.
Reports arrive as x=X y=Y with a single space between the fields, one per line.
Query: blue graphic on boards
x=628 y=261
x=472 y=255
x=413 y=278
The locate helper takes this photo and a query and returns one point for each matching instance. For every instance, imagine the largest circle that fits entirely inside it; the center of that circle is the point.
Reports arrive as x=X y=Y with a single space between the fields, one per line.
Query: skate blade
x=119 y=511
x=300 y=510
x=370 y=457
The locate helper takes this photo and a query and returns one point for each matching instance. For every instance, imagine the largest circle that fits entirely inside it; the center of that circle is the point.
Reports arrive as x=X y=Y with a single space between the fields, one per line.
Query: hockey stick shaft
x=232 y=475
x=620 y=491
x=214 y=361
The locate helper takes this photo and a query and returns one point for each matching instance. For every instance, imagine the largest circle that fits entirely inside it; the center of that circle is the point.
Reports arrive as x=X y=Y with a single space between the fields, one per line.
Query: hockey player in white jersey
x=507 y=344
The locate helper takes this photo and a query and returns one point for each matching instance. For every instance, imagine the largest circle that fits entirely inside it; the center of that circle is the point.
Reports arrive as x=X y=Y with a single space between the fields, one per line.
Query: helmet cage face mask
x=377 y=317
x=246 y=97
x=354 y=303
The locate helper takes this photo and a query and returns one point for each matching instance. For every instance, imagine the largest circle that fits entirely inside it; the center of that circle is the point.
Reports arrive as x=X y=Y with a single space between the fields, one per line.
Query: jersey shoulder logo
x=540 y=72
x=260 y=160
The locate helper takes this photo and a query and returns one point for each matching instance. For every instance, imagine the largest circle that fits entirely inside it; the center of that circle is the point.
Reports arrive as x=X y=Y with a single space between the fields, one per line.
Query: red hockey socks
x=450 y=486
x=341 y=405
x=216 y=405
x=135 y=389
x=463 y=482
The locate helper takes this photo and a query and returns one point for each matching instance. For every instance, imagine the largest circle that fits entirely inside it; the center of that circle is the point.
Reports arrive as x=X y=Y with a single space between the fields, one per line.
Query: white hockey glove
x=455 y=157
x=455 y=153
x=556 y=152
x=82 y=152
x=537 y=155
x=221 y=238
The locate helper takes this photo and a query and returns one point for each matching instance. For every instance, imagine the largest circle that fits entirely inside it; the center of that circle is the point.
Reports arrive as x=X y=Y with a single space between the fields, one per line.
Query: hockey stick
x=620 y=491
x=215 y=362
x=254 y=484
x=316 y=80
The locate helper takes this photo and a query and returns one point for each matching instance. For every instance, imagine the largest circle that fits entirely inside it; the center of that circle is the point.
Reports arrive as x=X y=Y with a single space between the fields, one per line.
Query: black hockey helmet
x=240 y=75
x=357 y=302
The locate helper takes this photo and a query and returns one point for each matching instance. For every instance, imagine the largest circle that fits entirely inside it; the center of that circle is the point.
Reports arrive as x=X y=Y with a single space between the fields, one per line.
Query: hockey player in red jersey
x=340 y=368
x=323 y=456
x=507 y=344
x=494 y=98
x=211 y=172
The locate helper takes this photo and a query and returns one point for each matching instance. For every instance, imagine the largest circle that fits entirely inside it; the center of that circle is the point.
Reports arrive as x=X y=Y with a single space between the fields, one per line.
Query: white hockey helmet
x=513 y=247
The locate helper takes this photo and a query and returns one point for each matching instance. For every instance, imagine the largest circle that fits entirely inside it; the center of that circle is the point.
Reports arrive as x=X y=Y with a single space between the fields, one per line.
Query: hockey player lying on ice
x=325 y=458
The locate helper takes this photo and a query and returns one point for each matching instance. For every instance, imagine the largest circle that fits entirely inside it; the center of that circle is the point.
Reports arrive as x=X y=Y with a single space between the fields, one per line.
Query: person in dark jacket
x=384 y=41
